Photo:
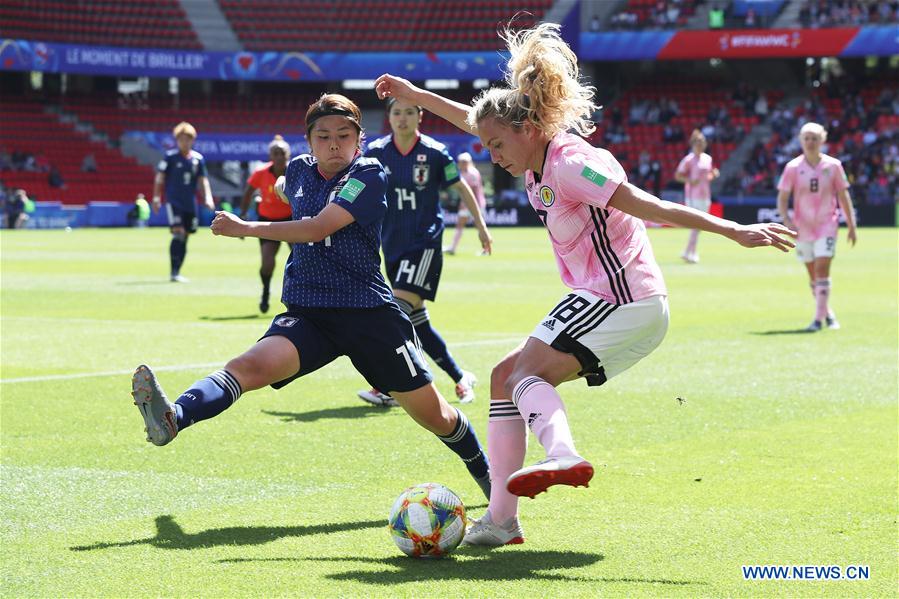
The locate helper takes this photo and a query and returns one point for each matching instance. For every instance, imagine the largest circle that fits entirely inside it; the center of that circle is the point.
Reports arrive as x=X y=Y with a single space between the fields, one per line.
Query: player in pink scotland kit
x=472 y=176
x=617 y=310
x=696 y=172
x=818 y=184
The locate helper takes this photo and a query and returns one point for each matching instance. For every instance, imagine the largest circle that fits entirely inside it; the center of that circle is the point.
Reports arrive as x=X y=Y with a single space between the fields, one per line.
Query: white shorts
x=606 y=339
x=823 y=247
x=704 y=205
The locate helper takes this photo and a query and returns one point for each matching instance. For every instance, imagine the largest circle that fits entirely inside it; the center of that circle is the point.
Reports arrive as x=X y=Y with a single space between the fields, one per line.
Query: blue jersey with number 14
x=414 y=180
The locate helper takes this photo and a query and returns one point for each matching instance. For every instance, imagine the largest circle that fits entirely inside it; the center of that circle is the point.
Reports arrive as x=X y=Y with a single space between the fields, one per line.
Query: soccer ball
x=427 y=520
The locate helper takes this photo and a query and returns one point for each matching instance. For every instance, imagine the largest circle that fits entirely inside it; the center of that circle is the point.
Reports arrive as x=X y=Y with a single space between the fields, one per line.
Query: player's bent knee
x=498 y=377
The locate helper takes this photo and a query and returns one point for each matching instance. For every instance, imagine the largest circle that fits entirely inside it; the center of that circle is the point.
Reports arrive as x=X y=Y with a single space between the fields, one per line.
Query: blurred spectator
x=54 y=178
x=648 y=173
x=139 y=215
x=761 y=106
x=749 y=21
x=5 y=160
x=716 y=18
x=15 y=210
x=672 y=134
x=595 y=25
x=89 y=164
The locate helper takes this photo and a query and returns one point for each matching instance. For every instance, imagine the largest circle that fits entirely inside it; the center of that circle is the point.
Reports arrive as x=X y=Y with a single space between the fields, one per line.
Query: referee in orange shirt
x=270 y=208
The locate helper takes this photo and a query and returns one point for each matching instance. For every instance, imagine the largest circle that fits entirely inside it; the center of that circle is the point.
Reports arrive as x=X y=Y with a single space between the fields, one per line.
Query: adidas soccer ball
x=427 y=520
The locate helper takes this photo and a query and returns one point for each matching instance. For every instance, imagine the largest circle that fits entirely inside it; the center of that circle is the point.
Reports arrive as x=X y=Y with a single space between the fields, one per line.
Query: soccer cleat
x=179 y=279
x=533 y=480
x=449 y=251
x=465 y=387
x=159 y=414
x=814 y=327
x=263 y=304
x=485 y=533
x=832 y=322
x=375 y=397
x=690 y=258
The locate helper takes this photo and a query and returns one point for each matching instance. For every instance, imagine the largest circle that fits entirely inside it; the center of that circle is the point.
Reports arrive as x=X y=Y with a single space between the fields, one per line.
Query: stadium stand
x=271 y=113
x=643 y=14
x=389 y=26
x=137 y=23
x=30 y=130
x=834 y=13
x=655 y=120
x=863 y=132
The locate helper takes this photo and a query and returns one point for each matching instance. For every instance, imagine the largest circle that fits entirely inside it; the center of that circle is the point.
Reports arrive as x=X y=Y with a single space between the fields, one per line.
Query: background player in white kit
x=470 y=173
x=617 y=311
x=696 y=171
x=818 y=183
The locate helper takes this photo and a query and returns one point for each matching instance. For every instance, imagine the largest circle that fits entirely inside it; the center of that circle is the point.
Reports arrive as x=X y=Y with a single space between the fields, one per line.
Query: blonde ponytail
x=544 y=85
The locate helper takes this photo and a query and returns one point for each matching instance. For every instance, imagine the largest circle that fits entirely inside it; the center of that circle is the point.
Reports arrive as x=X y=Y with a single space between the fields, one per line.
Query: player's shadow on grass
x=490 y=564
x=243 y=317
x=330 y=414
x=169 y=535
x=783 y=332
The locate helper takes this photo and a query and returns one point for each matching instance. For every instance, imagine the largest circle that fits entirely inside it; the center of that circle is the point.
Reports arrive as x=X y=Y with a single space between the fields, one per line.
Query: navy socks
x=464 y=442
x=434 y=345
x=206 y=398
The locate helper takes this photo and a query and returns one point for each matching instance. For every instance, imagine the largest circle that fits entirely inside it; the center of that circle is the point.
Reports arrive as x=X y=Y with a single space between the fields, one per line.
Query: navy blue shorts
x=263 y=219
x=417 y=271
x=182 y=218
x=381 y=343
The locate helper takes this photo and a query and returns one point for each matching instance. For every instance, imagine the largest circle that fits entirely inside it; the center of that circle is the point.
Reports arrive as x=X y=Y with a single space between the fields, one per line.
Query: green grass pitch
x=782 y=448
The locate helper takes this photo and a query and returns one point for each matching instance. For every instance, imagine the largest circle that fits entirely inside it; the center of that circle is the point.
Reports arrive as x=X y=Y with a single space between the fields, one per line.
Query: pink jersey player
x=696 y=171
x=814 y=190
x=598 y=248
x=818 y=185
x=617 y=310
x=472 y=176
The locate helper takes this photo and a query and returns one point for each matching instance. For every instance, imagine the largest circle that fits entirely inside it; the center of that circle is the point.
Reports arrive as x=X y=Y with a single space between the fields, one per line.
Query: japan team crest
x=420 y=174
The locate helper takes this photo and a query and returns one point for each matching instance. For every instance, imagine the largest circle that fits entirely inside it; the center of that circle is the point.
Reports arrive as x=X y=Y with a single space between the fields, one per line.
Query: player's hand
x=155 y=204
x=714 y=174
x=764 y=234
x=388 y=86
x=486 y=240
x=228 y=224
x=851 y=237
x=279 y=189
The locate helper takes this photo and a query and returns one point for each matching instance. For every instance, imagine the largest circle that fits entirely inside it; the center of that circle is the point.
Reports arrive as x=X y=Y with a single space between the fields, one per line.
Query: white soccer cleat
x=831 y=322
x=533 y=480
x=375 y=397
x=179 y=279
x=485 y=533
x=160 y=420
x=465 y=387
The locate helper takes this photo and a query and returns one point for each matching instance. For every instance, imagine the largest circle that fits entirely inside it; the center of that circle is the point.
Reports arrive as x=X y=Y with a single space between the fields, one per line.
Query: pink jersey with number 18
x=598 y=248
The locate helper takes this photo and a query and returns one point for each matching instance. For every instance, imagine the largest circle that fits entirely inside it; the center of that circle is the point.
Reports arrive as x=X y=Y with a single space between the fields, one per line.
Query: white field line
x=182 y=367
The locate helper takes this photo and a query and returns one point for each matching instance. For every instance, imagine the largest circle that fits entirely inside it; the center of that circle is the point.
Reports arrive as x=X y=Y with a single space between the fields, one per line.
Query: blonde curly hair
x=544 y=82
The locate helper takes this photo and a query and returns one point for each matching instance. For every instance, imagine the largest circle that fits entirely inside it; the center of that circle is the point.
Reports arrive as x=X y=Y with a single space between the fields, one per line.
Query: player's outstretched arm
x=467 y=197
x=641 y=204
x=396 y=87
x=311 y=230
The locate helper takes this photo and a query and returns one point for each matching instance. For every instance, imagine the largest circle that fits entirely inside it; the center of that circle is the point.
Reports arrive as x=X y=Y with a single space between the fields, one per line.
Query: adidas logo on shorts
x=550 y=324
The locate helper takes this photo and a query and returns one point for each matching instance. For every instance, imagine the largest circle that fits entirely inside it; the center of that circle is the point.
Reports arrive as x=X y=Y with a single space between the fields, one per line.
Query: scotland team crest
x=420 y=174
x=547 y=196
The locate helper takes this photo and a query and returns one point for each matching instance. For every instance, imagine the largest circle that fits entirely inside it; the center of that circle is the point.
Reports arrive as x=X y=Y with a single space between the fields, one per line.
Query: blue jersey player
x=338 y=303
x=418 y=167
x=179 y=172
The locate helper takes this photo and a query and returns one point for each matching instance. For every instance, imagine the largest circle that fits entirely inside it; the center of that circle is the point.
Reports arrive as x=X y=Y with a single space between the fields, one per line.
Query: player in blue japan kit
x=179 y=172
x=418 y=167
x=338 y=303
